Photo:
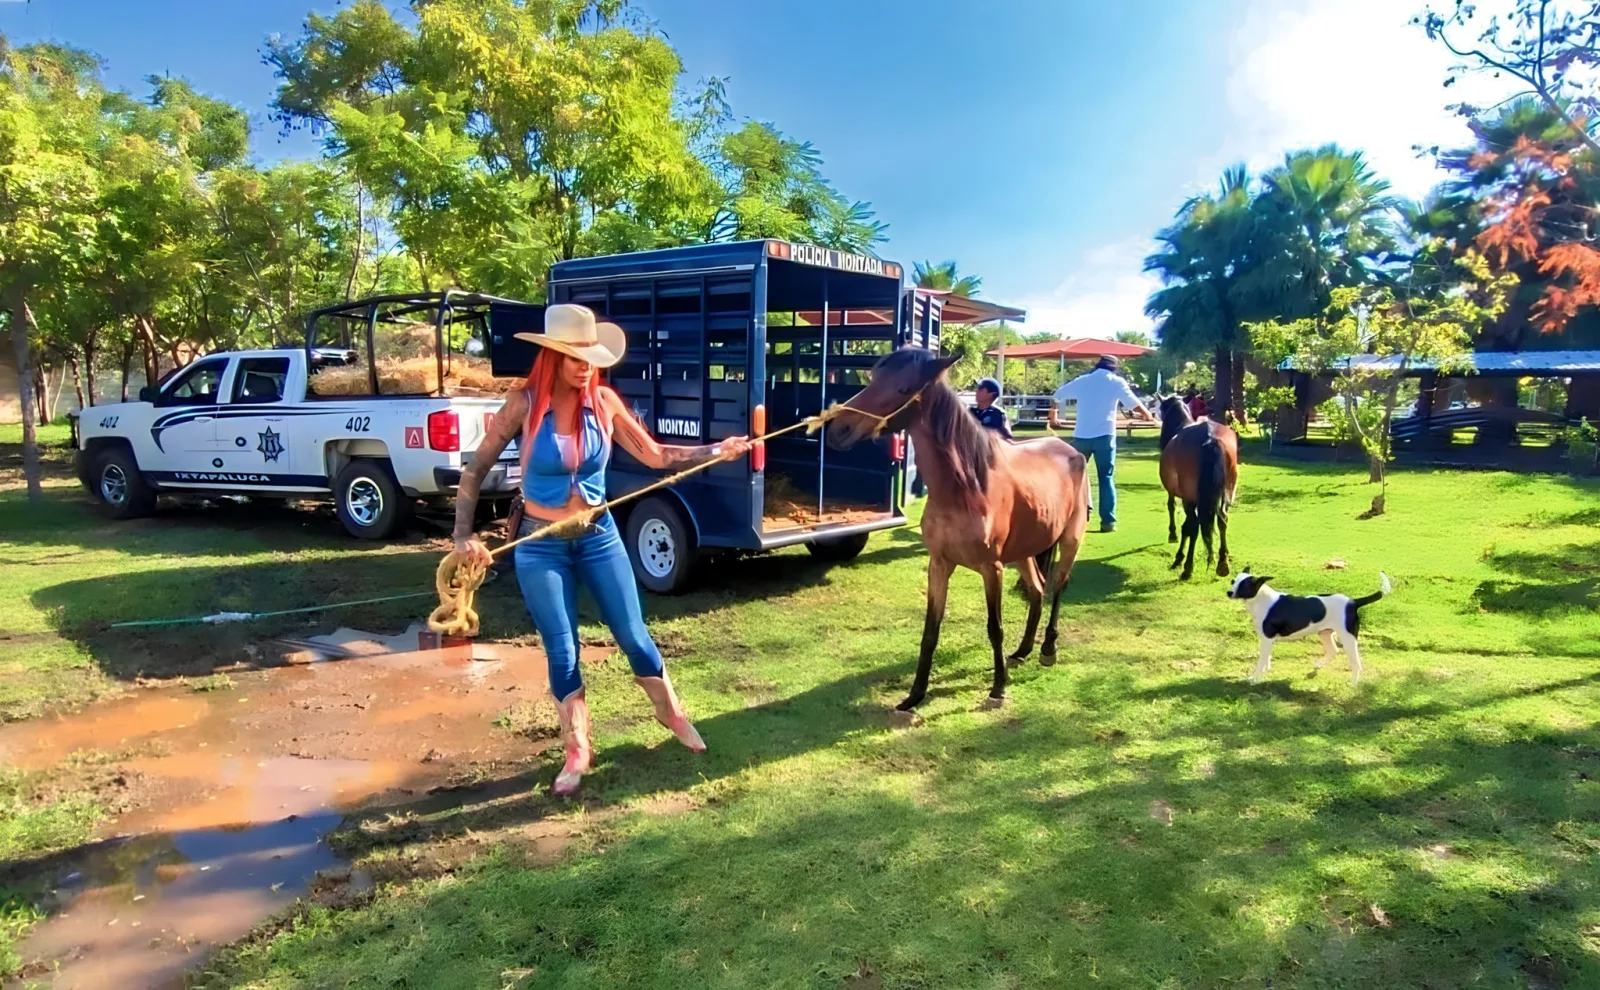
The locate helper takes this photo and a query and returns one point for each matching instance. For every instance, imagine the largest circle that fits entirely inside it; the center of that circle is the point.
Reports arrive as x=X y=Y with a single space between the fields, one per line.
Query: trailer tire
x=119 y=484
x=368 y=500
x=661 y=546
x=840 y=549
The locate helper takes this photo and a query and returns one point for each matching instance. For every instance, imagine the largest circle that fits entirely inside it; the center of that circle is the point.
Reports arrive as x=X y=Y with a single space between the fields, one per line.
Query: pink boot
x=670 y=713
x=574 y=715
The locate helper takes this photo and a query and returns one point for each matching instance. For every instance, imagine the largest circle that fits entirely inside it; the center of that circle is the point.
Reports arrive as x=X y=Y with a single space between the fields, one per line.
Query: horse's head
x=1174 y=408
x=895 y=380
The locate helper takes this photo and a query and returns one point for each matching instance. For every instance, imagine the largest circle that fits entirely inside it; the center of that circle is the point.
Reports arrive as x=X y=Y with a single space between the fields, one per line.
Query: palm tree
x=945 y=276
x=1202 y=261
x=1331 y=214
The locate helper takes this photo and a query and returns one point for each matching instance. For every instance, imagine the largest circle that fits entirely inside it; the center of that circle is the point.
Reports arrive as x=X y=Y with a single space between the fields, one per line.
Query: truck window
x=196 y=386
x=260 y=380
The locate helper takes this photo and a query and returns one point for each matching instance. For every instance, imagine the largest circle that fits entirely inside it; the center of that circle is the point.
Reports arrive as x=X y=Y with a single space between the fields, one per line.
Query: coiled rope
x=459 y=577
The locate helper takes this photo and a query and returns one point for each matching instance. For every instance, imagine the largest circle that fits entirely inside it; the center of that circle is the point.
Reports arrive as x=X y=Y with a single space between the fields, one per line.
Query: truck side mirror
x=150 y=394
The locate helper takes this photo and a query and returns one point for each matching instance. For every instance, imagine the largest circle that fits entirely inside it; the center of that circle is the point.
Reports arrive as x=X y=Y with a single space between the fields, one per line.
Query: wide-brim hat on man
x=573 y=330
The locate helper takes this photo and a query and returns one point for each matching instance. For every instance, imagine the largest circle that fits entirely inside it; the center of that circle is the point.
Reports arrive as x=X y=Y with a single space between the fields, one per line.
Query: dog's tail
x=1209 y=488
x=1384 y=587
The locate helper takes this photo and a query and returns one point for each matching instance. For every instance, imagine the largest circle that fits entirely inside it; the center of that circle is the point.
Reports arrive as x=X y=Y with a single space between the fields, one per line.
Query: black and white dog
x=1278 y=616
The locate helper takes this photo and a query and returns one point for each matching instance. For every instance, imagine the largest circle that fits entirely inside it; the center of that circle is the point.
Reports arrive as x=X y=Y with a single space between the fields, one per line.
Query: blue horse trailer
x=743 y=338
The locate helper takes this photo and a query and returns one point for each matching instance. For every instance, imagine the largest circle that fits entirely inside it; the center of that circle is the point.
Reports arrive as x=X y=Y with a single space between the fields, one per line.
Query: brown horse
x=1200 y=467
x=990 y=503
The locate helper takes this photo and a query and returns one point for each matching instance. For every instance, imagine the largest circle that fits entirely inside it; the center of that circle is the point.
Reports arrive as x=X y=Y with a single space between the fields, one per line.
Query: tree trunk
x=77 y=379
x=147 y=338
x=127 y=361
x=90 y=352
x=21 y=319
x=1223 y=399
x=355 y=260
x=1374 y=470
x=1238 y=389
x=41 y=393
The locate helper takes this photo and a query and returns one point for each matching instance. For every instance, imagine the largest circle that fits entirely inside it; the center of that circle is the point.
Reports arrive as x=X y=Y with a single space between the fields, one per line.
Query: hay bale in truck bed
x=412 y=376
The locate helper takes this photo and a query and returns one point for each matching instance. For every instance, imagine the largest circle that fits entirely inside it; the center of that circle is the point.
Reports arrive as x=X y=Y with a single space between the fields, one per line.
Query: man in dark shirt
x=989 y=414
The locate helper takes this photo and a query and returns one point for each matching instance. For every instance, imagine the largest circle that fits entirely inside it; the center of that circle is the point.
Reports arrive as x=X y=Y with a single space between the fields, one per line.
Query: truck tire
x=119 y=484
x=840 y=549
x=661 y=546
x=368 y=501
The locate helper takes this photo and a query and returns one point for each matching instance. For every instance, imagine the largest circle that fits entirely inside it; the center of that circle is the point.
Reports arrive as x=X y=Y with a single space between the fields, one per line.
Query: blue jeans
x=549 y=570
x=1104 y=452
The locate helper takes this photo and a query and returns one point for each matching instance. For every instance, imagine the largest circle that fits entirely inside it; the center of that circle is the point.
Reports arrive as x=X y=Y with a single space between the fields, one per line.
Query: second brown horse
x=1199 y=467
x=990 y=503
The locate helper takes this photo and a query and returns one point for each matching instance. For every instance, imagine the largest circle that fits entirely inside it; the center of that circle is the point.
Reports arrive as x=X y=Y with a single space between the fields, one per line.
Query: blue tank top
x=546 y=478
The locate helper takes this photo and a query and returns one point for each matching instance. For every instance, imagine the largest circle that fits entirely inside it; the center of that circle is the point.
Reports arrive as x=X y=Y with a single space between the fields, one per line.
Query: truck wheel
x=661 y=546
x=840 y=549
x=368 y=501
x=119 y=484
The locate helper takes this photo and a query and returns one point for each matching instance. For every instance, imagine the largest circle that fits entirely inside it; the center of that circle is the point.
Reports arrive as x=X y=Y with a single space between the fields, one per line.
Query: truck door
x=185 y=427
x=255 y=430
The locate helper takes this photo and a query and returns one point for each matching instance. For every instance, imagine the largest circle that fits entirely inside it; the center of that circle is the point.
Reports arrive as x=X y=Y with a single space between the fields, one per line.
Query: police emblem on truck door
x=271 y=445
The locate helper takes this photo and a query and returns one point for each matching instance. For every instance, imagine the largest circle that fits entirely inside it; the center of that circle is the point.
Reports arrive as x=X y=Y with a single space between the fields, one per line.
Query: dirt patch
x=228 y=793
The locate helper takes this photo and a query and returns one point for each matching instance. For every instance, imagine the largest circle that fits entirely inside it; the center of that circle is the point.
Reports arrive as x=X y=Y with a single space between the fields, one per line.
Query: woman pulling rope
x=572 y=420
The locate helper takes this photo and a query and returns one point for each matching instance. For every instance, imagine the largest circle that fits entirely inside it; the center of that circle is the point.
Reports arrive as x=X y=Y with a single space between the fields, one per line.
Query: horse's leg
x=938 y=588
x=1036 y=578
x=1222 y=539
x=993 y=580
x=1191 y=532
x=1183 y=541
x=1055 y=587
x=1172 y=525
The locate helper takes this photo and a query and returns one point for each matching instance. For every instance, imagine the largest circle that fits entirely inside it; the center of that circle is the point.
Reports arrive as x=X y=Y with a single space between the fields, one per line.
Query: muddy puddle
x=232 y=791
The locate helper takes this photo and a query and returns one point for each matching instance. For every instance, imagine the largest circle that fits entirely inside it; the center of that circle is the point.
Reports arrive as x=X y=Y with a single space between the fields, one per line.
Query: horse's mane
x=957 y=432
x=1175 y=416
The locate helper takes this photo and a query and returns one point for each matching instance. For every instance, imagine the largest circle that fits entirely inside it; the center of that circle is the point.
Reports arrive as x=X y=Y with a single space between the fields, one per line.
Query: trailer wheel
x=368 y=501
x=119 y=484
x=661 y=546
x=840 y=549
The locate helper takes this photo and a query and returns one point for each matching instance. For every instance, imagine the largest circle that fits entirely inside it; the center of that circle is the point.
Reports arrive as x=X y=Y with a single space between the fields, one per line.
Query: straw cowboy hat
x=573 y=331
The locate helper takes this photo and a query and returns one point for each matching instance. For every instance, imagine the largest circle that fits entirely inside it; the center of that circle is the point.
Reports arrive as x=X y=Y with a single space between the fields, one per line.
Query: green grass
x=1138 y=816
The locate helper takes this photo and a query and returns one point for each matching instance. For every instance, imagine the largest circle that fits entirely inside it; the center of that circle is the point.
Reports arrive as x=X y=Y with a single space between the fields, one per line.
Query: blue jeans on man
x=1103 y=451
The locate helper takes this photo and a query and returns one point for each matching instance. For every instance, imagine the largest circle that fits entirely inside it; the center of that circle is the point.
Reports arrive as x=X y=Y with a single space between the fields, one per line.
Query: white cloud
x=1306 y=73
x=1355 y=72
x=1104 y=294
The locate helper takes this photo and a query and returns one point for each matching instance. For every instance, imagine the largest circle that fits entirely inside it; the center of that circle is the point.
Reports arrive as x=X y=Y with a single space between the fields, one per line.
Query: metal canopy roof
x=1486 y=363
x=1074 y=348
x=963 y=309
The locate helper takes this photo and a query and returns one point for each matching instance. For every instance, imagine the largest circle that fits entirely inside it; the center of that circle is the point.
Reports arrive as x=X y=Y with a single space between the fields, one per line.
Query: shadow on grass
x=1552 y=580
x=1027 y=848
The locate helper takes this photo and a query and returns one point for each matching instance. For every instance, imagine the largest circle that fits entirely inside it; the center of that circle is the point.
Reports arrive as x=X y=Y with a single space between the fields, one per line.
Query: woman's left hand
x=733 y=448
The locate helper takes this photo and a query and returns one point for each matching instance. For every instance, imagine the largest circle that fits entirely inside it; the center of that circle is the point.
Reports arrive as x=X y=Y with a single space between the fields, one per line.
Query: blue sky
x=1038 y=142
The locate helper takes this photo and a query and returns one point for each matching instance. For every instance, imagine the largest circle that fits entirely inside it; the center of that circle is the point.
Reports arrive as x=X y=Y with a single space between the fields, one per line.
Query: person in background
x=1098 y=394
x=1196 y=403
x=988 y=413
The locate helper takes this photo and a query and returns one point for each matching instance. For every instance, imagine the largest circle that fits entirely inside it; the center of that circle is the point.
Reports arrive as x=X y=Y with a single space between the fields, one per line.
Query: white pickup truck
x=245 y=423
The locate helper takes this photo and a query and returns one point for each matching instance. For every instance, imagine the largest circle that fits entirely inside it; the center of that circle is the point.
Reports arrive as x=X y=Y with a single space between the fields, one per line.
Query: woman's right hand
x=474 y=550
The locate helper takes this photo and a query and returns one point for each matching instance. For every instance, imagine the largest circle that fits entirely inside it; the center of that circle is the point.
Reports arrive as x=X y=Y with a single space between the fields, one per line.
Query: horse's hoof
x=904 y=719
x=1174 y=565
x=1016 y=659
x=1047 y=658
x=1186 y=575
x=908 y=705
x=1172 y=537
x=991 y=703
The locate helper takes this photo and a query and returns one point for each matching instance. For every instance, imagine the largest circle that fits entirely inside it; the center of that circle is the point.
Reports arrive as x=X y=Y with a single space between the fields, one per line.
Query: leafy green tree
x=49 y=98
x=503 y=135
x=1428 y=315
x=773 y=187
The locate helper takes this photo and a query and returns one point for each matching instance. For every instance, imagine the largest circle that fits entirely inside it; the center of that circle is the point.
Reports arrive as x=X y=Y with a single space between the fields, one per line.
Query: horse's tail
x=1211 y=487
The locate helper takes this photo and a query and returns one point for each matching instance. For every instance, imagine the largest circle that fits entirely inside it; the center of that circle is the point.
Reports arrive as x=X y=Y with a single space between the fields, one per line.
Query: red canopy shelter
x=1073 y=349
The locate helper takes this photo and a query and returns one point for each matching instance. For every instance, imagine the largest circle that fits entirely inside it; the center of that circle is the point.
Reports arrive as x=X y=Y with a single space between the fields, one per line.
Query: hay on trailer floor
x=786 y=507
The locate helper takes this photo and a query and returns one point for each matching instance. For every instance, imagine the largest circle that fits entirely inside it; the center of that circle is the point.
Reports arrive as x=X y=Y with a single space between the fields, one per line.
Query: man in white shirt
x=1098 y=394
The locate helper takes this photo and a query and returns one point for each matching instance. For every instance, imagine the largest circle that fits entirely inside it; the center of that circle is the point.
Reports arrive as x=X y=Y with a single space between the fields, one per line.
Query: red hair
x=541 y=385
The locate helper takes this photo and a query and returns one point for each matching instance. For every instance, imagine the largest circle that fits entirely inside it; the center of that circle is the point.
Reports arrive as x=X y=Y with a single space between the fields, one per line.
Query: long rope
x=458 y=578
